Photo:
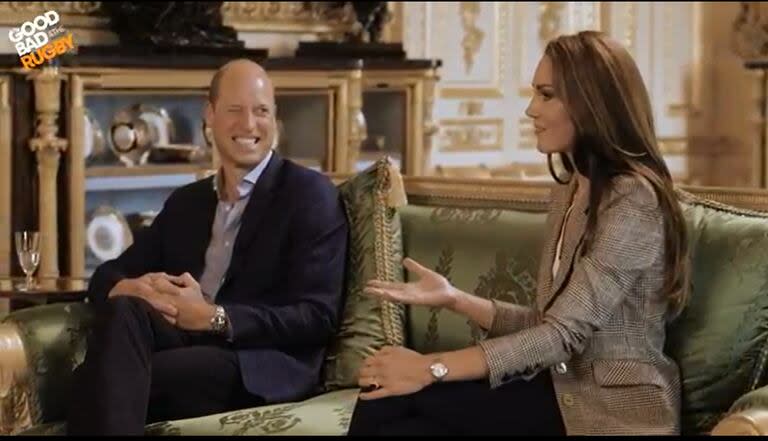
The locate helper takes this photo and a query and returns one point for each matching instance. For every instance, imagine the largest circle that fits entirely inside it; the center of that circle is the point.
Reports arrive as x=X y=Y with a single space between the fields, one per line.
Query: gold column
x=5 y=177
x=430 y=126
x=76 y=175
x=76 y=182
x=358 y=131
x=48 y=148
x=414 y=152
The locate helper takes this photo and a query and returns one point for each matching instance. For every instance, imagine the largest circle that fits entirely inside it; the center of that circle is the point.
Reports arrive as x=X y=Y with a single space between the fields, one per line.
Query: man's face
x=243 y=117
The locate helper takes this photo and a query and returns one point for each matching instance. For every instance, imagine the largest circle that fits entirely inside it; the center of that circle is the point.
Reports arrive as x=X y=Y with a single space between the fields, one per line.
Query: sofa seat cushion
x=490 y=252
x=721 y=339
x=327 y=414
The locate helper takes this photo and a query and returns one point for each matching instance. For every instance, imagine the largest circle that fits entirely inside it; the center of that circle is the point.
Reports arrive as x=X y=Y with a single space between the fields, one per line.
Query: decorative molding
x=471 y=135
x=760 y=136
x=595 y=16
x=83 y=8
x=667 y=15
x=473 y=36
x=630 y=32
x=667 y=145
x=550 y=17
x=502 y=24
x=430 y=127
x=673 y=145
x=424 y=27
x=691 y=100
x=550 y=20
x=525 y=91
x=415 y=32
x=309 y=17
x=74 y=14
x=697 y=37
x=525 y=171
x=604 y=17
x=530 y=45
x=478 y=192
x=463 y=171
x=510 y=194
x=358 y=130
x=6 y=184
x=466 y=88
x=314 y=17
x=750 y=32
x=527 y=134
x=471 y=108
x=584 y=15
x=515 y=193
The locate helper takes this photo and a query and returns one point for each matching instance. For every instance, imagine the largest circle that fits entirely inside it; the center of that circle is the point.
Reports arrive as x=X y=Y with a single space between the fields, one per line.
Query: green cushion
x=375 y=251
x=720 y=340
x=493 y=253
x=327 y=414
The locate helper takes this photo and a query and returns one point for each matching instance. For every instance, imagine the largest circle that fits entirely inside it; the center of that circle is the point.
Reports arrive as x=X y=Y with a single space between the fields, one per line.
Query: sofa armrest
x=39 y=348
x=747 y=416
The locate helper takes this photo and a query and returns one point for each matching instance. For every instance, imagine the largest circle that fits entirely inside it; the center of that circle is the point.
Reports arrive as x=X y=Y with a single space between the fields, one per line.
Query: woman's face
x=555 y=132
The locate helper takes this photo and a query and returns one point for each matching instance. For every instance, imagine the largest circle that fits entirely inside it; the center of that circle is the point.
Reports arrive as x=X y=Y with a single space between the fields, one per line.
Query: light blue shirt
x=225 y=227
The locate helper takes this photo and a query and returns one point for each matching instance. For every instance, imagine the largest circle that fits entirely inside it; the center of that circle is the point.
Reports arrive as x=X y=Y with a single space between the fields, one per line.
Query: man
x=229 y=299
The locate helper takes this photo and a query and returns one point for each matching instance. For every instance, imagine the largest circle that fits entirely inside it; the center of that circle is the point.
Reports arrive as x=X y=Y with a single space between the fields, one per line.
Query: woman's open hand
x=430 y=288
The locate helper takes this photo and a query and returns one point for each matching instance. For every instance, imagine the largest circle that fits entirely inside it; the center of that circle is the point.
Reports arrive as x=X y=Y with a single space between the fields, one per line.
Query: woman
x=588 y=358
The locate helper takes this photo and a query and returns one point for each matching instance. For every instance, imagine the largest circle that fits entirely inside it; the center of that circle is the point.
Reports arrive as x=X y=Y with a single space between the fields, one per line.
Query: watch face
x=439 y=370
x=219 y=321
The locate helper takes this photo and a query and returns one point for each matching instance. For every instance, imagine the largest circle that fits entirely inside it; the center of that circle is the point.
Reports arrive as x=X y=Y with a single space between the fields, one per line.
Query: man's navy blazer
x=283 y=290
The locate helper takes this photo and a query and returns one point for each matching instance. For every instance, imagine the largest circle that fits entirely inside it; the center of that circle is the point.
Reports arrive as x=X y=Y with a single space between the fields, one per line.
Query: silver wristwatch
x=219 y=320
x=438 y=371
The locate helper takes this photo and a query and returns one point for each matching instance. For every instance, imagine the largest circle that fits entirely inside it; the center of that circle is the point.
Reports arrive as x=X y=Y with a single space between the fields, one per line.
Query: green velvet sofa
x=485 y=236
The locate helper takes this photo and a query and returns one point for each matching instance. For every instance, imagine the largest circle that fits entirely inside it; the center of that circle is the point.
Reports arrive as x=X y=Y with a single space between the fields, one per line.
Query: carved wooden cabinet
x=87 y=196
x=760 y=154
x=93 y=195
x=398 y=97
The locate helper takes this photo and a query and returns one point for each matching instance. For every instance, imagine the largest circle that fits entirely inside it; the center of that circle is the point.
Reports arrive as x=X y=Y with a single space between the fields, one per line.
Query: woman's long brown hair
x=606 y=98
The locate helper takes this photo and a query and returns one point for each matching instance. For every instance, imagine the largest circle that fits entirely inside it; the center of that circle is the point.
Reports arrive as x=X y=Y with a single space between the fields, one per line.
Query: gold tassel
x=396 y=197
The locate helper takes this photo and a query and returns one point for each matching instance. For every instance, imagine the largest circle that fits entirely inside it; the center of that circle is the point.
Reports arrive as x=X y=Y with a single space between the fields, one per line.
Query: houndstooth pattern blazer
x=599 y=323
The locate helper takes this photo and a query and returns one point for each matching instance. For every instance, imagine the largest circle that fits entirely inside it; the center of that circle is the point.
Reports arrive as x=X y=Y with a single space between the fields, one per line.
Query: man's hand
x=143 y=287
x=183 y=286
x=194 y=312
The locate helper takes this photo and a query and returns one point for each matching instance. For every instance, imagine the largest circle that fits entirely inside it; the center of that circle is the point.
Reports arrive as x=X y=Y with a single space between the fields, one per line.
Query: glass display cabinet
x=397 y=101
x=398 y=98
x=128 y=130
x=100 y=141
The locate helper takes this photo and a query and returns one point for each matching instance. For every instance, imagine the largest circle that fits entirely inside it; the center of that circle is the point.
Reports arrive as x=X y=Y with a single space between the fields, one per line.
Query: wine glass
x=28 y=251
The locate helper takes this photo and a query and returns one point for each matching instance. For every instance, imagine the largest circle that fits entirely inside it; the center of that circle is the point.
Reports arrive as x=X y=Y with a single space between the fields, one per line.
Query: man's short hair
x=213 y=90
